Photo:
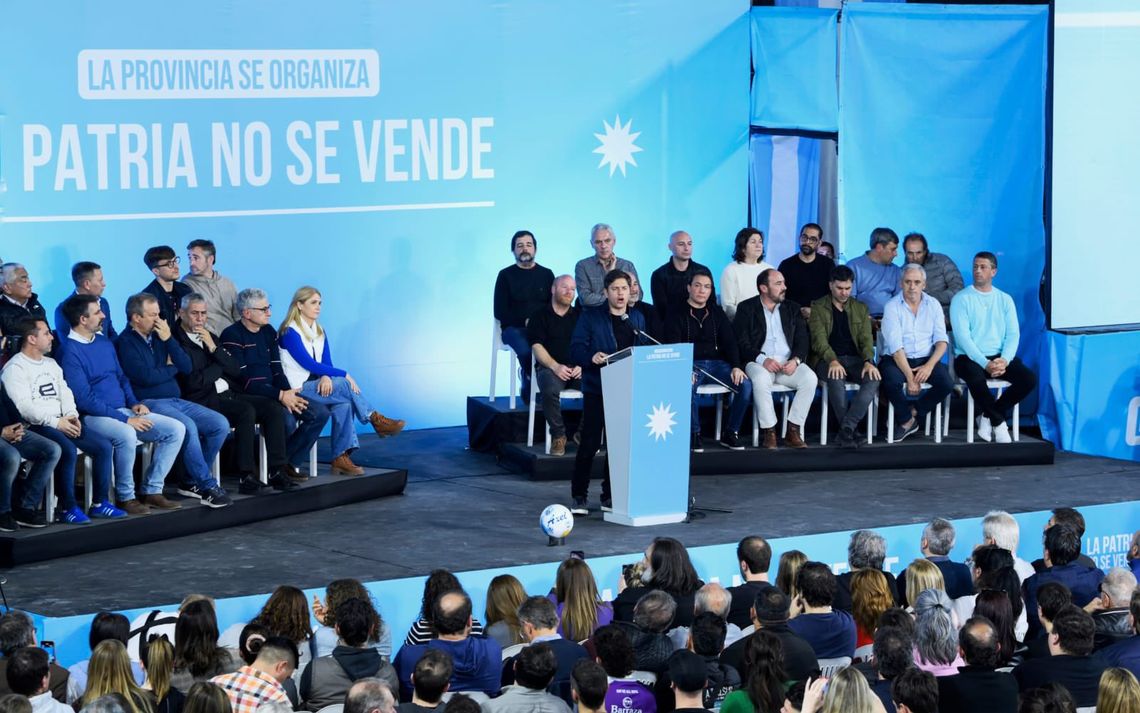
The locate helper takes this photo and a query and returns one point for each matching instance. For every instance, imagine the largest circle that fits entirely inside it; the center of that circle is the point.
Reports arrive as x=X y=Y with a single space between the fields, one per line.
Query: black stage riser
x=35 y=545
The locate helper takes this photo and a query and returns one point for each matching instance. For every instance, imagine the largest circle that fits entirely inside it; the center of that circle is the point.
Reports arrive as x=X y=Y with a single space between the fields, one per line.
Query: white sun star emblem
x=661 y=421
x=617 y=147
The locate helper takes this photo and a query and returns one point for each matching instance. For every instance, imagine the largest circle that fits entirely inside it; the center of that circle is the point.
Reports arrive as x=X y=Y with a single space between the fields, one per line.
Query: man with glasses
x=165 y=286
x=17 y=301
x=808 y=272
x=253 y=343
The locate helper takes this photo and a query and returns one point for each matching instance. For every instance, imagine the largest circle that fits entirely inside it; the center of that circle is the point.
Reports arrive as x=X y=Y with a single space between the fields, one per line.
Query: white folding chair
x=1000 y=385
x=497 y=346
x=863 y=653
x=937 y=418
x=719 y=391
x=564 y=394
x=645 y=678
x=513 y=650
x=825 y=409
x=787 y=394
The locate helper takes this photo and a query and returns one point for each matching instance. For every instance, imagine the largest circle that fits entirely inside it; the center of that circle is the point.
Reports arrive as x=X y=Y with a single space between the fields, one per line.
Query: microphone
x=639 y=333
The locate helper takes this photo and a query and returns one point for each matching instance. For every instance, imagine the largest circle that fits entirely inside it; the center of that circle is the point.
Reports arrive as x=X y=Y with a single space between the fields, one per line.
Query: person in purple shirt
x=876 y=274
x=625 y=693
x=830 y=632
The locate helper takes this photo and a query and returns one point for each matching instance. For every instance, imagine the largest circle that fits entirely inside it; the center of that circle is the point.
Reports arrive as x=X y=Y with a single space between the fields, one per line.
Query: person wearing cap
x=770 y=613
x=688 y=676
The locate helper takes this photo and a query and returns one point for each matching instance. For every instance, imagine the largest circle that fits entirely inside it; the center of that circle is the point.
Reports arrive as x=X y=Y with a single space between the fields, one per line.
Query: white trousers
x=803 y=381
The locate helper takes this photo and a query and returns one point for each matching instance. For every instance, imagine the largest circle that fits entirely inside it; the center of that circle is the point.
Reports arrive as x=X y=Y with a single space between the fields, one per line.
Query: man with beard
x=808 y=271
x=521 y=290
x=549 y=331
x=773 y=340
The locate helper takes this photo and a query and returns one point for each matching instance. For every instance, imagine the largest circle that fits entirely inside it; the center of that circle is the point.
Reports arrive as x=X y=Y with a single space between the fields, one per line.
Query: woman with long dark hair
x=763 y=677
x=340 y=591
x=197 y=656
x=995 y=606
x=668 y=568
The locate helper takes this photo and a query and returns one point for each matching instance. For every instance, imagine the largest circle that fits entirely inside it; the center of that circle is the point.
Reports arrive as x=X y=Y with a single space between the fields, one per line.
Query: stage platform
x=28 y=545
x=464 y=510
x=493 y=426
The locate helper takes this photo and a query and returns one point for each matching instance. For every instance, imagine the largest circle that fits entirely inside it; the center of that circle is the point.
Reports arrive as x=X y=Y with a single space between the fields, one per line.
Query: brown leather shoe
x=343 y=465
x=133 y=507
x=385 y=426
x=794 y=439
x=158 y=500
x=558 y=446
x=768 y=438
x=293 y=474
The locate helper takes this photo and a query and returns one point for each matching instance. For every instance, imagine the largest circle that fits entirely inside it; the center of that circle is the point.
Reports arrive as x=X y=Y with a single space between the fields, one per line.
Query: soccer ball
x=556 y=521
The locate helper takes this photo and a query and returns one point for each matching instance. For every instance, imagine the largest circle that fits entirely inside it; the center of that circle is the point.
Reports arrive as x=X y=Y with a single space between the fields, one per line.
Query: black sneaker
x=216 y=498
x=607 y=505
x=29 y=518
x=697 y=444
x=191 y=490
x=731 y=441
x=903 y=431
x=579 y=507
x=846 y=440
x=282 y=482
x=8 y=523
x=250 y=485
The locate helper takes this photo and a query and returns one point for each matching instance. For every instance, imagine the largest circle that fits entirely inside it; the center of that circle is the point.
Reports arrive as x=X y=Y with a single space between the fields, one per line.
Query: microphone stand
x=695 y=513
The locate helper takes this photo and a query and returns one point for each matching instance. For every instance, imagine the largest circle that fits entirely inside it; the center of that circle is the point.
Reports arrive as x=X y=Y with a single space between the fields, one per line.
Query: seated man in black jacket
x=208 y=384
x=773 y=340
x=978 y=687
x=701 y=322
x=1070 y=662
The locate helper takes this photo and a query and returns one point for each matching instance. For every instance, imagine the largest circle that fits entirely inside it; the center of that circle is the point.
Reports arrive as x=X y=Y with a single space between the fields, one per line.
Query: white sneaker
x=1001 y=433
x=985 y=429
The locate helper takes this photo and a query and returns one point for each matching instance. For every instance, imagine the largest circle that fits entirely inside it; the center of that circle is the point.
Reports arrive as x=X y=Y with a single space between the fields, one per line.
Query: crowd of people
x=868 y=326
x=195 y=363
x=994 y=633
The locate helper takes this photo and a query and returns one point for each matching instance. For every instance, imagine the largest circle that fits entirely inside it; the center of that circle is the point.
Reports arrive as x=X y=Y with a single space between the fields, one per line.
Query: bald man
x=669 y=284
x=549 y=331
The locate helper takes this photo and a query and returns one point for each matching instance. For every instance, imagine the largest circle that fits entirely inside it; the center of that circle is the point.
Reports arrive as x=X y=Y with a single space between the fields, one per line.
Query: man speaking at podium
x=601 y=331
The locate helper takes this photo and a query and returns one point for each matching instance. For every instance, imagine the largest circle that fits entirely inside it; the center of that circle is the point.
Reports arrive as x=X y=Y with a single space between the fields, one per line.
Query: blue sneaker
x=106 y=511
x=73 y=516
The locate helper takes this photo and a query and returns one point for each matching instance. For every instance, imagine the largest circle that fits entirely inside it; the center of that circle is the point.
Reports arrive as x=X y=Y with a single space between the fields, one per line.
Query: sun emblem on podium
x=661 y=421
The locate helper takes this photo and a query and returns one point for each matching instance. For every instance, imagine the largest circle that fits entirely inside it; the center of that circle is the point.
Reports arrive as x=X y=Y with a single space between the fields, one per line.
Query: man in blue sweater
x=150 y=359
x=876 y=274
x=109 y=408
x=986 y=336
x=88 y=280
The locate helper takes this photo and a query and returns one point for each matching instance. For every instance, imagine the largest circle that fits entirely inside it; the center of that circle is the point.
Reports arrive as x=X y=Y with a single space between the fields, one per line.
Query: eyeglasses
x=264 y=309
x=170 y=262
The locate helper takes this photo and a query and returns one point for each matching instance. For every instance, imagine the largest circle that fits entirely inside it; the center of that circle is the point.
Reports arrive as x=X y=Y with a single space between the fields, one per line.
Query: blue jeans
x=206 y=431
x=166 y=434
x=894 y=384
x=42 y=454
x=342 y=404
x=303 y=432
x=515 y=338
x=92 y=444
x=740 y=400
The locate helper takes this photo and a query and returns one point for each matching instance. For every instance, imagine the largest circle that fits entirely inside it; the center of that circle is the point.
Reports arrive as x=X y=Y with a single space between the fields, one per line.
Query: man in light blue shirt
x=876 y=274
x=914 y=340
x=985 y=347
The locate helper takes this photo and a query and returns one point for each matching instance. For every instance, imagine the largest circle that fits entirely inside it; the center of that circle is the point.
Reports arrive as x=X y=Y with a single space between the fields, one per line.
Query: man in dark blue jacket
x=600 y=332
x=1062 y=548
x=150 y=359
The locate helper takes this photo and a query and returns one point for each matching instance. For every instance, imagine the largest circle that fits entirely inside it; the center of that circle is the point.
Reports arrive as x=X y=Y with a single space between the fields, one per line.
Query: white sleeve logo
x=1132 y=430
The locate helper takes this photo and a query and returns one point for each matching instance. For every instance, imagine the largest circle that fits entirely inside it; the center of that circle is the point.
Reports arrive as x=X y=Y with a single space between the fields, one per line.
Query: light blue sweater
x=875 y=284
x=985 y=323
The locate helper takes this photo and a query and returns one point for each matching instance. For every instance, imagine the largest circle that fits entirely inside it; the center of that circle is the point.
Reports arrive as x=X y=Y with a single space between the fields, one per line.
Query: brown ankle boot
x=385 y=426
x=343 y=465
x=768 y=438
x=794 y=439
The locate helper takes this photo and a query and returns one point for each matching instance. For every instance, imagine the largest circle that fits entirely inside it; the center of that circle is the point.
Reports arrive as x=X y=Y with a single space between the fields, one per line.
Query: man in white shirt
x=28 y=674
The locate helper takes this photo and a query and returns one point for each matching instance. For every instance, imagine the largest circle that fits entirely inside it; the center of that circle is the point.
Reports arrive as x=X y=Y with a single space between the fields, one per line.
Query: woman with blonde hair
x=110 y=672
x=847 y=692
x=308 y=367
x=158 y=662
x=581 y=610
x=1119 y=692
x=870 y=597
x=504 y=596
x=790 y=563
x=922 y=574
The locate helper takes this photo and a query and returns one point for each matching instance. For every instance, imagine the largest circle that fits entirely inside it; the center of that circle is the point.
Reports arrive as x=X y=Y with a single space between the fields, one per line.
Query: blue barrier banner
x=382 y=152
x=942 y=113
x=1094 y=382
x=794 y=64
x=1107 y=538
x=784 y=190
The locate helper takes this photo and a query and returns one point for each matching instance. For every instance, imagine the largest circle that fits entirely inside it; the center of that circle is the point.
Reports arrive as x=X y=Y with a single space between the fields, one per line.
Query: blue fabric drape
x=794 y=60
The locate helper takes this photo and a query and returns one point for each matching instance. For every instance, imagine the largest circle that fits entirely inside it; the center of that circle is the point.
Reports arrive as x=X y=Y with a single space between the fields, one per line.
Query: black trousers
x=591 y=429
x=1021 y=380
x=244 y=411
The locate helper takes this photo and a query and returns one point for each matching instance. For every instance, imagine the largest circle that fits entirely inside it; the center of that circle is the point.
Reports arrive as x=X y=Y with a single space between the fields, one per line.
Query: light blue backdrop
x=406 y=266
x=1106 y=540
x=794 y=63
